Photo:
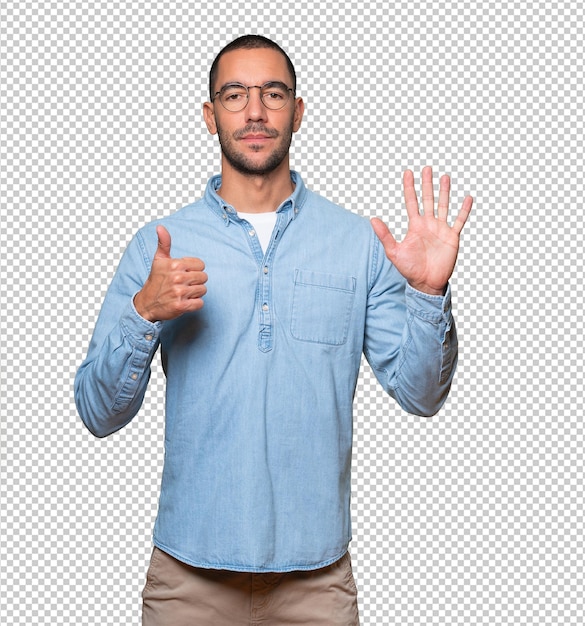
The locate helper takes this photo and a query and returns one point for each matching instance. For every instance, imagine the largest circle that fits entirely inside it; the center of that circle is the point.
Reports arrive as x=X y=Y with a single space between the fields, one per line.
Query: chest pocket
x=321 y=307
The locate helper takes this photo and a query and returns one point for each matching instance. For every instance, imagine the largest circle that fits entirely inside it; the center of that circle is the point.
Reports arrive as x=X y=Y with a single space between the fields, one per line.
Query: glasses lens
x=274 y=95
x=234 y=97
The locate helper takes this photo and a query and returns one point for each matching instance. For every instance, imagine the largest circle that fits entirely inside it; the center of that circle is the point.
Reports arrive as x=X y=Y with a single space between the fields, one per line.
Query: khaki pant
x=177 y=594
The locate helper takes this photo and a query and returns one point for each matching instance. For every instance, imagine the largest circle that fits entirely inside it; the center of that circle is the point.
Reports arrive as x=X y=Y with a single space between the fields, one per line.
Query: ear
x=298 y=114
x=209 y=117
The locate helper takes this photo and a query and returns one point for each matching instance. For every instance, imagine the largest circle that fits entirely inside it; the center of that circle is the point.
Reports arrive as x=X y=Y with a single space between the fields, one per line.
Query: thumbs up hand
x=174 y=286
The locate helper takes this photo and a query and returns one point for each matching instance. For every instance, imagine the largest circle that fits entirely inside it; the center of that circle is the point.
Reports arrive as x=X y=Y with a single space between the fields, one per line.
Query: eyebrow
x=268 y=83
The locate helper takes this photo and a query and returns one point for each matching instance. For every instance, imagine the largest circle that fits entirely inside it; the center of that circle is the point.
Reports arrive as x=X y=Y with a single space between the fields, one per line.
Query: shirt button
x=224 y=216
x=265 y=307
x=148 y=337
x=134 y=376
x=251 y=232
x=265 y=270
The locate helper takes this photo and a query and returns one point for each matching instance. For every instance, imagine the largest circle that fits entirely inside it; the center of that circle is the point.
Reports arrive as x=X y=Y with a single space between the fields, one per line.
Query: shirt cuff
x=428 y=307
x=142 y=333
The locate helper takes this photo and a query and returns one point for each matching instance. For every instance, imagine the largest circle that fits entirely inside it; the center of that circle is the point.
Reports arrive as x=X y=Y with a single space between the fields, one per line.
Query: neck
x=255 y=194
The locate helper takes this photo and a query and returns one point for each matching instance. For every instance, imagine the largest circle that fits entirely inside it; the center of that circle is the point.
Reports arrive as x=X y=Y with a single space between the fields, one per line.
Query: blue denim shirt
x=260 y=382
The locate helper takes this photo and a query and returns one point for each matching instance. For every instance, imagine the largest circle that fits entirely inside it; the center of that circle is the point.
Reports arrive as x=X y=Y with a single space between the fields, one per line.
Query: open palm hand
x=427 y=255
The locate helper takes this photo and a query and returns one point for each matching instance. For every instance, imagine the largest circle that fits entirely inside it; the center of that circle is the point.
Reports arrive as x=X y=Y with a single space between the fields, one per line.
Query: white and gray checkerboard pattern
x=474 y=516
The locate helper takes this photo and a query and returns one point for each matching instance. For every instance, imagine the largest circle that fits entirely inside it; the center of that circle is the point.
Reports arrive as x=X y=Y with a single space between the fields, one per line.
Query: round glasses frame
x=266 y=91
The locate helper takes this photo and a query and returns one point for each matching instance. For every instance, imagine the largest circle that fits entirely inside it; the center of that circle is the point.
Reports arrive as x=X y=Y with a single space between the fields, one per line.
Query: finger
x=428 y=198
x=385 y=236
x=444 y=190
x=190 y=303
x=192 y=264
x=197 y=291
x=463 y=214
x=197 y=278
x=163 y=250
x=410 y=194
x=194 y=304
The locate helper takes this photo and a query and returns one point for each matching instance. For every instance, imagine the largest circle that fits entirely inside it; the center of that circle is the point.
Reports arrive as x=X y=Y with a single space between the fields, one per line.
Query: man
x=261 y=365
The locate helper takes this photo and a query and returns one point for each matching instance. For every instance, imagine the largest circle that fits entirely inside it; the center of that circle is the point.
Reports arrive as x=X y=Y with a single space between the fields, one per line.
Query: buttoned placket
x=264 y=260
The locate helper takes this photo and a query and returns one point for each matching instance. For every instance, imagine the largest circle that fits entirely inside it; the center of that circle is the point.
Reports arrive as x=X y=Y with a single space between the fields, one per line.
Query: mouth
x=251 y=134
x=256 y=138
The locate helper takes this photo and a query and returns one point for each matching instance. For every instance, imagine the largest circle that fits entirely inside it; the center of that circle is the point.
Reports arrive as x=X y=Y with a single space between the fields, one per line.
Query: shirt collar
x=227 y=213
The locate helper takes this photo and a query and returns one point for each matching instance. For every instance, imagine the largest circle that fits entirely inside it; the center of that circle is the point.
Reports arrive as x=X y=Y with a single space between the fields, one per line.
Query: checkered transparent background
x=472 y=517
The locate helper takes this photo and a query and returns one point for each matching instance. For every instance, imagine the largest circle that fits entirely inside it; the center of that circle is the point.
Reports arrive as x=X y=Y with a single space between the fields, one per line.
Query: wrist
x=140 y=309
x=428 y=290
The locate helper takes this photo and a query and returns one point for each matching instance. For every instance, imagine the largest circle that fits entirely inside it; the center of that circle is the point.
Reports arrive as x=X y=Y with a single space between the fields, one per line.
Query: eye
x=274 y=95
x=233 y=93
x=275 y=92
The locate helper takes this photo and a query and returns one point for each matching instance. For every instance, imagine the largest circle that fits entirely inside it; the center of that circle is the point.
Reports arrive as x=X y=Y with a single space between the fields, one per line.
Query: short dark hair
x=249 y=42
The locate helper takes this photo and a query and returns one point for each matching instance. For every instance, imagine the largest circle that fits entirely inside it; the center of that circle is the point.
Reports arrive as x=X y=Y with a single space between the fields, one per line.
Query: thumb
x=163 y=250
x=384 y=235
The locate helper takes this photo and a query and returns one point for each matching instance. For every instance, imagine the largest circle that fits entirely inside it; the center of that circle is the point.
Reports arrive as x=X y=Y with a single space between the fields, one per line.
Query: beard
x=244 y=164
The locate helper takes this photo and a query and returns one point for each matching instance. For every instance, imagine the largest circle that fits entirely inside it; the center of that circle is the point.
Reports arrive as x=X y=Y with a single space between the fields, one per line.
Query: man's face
x=256 y=140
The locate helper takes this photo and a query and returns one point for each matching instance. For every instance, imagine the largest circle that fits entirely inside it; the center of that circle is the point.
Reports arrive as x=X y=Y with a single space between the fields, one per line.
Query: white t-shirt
x=263 y=224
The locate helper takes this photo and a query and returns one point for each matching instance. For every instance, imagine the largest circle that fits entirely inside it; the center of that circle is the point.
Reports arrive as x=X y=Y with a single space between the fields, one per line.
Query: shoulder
x=193 y=229
x=318 y=208
x=185 y=217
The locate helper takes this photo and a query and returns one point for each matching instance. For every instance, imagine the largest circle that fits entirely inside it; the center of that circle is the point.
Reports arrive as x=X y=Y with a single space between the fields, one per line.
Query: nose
x=255 y=109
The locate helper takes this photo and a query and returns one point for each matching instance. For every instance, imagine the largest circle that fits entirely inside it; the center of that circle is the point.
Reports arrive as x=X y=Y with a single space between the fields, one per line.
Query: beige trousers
x=177 y=594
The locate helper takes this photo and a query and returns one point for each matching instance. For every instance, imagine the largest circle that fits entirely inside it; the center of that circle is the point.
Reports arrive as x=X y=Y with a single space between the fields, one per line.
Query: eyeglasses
x=234 y=97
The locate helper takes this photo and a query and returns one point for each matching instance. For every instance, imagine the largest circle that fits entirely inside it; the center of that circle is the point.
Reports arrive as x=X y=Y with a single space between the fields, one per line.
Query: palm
x=426 y=257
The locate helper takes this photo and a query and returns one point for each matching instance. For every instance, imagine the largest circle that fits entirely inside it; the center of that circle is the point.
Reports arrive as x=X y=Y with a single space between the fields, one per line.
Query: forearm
x=423 y=379
x=416 y=366
x=111 y=382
